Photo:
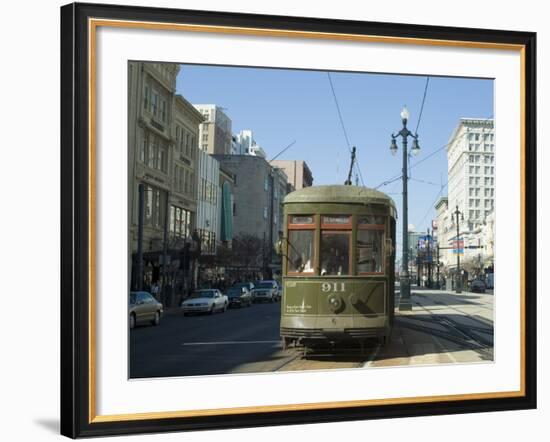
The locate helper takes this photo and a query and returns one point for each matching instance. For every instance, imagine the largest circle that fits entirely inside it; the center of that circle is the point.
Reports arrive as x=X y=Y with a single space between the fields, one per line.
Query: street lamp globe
x=405 y=114
x=393 y=147
x=415 y=148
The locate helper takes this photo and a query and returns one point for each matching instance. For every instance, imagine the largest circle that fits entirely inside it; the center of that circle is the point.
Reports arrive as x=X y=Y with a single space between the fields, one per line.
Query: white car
x=265 y=291
x=205 y=301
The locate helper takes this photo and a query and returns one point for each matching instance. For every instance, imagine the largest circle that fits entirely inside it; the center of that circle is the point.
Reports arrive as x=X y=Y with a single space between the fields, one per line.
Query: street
x=442 y=328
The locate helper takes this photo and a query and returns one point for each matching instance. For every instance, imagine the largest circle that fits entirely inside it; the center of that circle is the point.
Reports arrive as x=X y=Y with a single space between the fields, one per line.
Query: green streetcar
x=338 y=265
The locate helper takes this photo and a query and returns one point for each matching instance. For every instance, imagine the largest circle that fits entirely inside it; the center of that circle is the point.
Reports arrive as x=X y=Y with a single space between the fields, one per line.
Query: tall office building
x=215 y=131
x=471 y=169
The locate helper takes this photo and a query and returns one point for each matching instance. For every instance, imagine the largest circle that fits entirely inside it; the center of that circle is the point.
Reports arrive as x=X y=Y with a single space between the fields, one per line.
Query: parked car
x=266 y=291
x=205 y=301
x=239 y=297
x=143 y=308
x=477 y=286
x=249 y=285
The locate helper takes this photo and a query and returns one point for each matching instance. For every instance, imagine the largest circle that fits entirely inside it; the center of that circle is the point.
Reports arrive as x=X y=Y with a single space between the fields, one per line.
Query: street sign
x=458 y=246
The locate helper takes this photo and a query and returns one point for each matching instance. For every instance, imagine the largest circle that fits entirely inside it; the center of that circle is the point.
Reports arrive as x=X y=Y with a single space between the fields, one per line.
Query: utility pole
x=165 y=251
x=458 y=288
x=428 y=258
x=141 y=200
x=437 y=264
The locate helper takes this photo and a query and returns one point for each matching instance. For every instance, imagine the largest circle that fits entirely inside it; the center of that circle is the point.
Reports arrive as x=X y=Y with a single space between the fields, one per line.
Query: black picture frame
x=76 y=404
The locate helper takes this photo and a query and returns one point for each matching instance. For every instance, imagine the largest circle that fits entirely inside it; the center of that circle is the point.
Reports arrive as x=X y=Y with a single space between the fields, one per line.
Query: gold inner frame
x=93 y=24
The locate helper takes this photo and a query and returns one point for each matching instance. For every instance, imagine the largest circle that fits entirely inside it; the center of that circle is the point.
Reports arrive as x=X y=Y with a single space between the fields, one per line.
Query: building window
x=154 y=153
x=146 y=98
x=163 y=115
x=180 y=222
x=154 y=208
x=265 y=212
x=154 y=103
x=266 y=184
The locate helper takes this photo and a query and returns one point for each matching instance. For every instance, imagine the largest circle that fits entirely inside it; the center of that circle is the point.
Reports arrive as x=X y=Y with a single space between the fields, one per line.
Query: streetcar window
x=300 y=251
x=369 y=251
x=335 y=253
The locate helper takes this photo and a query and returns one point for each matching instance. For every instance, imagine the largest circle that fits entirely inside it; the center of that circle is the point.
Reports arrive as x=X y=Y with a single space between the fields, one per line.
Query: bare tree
x=247 y=250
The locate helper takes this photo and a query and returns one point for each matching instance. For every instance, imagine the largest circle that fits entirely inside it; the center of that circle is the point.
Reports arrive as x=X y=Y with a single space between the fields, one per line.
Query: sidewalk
x=475 y=305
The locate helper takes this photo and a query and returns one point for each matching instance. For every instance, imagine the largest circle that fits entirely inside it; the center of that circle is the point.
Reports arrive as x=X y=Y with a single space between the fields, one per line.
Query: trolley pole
x=405 y=282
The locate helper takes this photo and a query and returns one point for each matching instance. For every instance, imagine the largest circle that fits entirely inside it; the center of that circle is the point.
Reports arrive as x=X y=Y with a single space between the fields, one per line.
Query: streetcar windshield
x=300 y=251
x=369 y=251
x=335 y=253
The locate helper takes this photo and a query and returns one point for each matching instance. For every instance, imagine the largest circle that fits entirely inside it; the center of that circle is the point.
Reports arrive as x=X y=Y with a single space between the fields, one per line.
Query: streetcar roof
x=340 y=194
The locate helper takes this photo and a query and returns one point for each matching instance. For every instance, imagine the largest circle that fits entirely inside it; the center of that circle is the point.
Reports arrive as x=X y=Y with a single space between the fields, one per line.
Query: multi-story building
x=151 y=88
x=183 y=197
x=471 y=169
x=298 y=173
x=258 y=193
x=215 y=131
x=209 y=203
x=245 y=144
x=163 y=132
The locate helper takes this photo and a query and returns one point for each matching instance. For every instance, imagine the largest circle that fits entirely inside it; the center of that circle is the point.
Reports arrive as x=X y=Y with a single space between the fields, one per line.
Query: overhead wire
x=343 y=125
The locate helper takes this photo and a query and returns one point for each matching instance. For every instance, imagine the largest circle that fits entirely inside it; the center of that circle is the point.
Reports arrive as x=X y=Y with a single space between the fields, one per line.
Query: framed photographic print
x=273 y=220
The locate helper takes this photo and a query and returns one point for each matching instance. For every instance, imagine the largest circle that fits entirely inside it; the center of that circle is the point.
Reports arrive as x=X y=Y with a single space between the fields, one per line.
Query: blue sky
x=282 y=106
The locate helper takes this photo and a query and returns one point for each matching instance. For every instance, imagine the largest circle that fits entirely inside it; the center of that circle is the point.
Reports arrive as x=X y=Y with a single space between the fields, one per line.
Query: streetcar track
x=465 y=337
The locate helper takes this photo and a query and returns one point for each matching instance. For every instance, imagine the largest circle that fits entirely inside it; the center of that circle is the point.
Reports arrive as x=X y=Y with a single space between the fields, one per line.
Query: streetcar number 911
x=333 y=287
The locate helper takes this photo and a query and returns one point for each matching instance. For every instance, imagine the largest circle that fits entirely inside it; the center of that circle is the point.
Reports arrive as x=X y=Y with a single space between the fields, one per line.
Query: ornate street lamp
x=405 y=283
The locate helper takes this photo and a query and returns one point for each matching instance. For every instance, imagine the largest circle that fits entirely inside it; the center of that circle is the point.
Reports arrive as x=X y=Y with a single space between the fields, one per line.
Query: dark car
x=239 y=296
x=477 y=286
x=249 y=285
x=143 y=308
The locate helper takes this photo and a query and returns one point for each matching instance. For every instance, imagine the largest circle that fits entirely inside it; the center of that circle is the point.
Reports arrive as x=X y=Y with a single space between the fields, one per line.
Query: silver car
x=205 y=301
x=143 y=308
x=266 y=291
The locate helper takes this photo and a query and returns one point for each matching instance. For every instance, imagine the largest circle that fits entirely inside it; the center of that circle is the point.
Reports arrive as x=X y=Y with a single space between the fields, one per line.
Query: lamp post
x=457 y=213
x=405 y=283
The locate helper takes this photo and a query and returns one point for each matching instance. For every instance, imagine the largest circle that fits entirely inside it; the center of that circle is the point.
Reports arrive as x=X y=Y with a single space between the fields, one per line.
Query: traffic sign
x=458 y=246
